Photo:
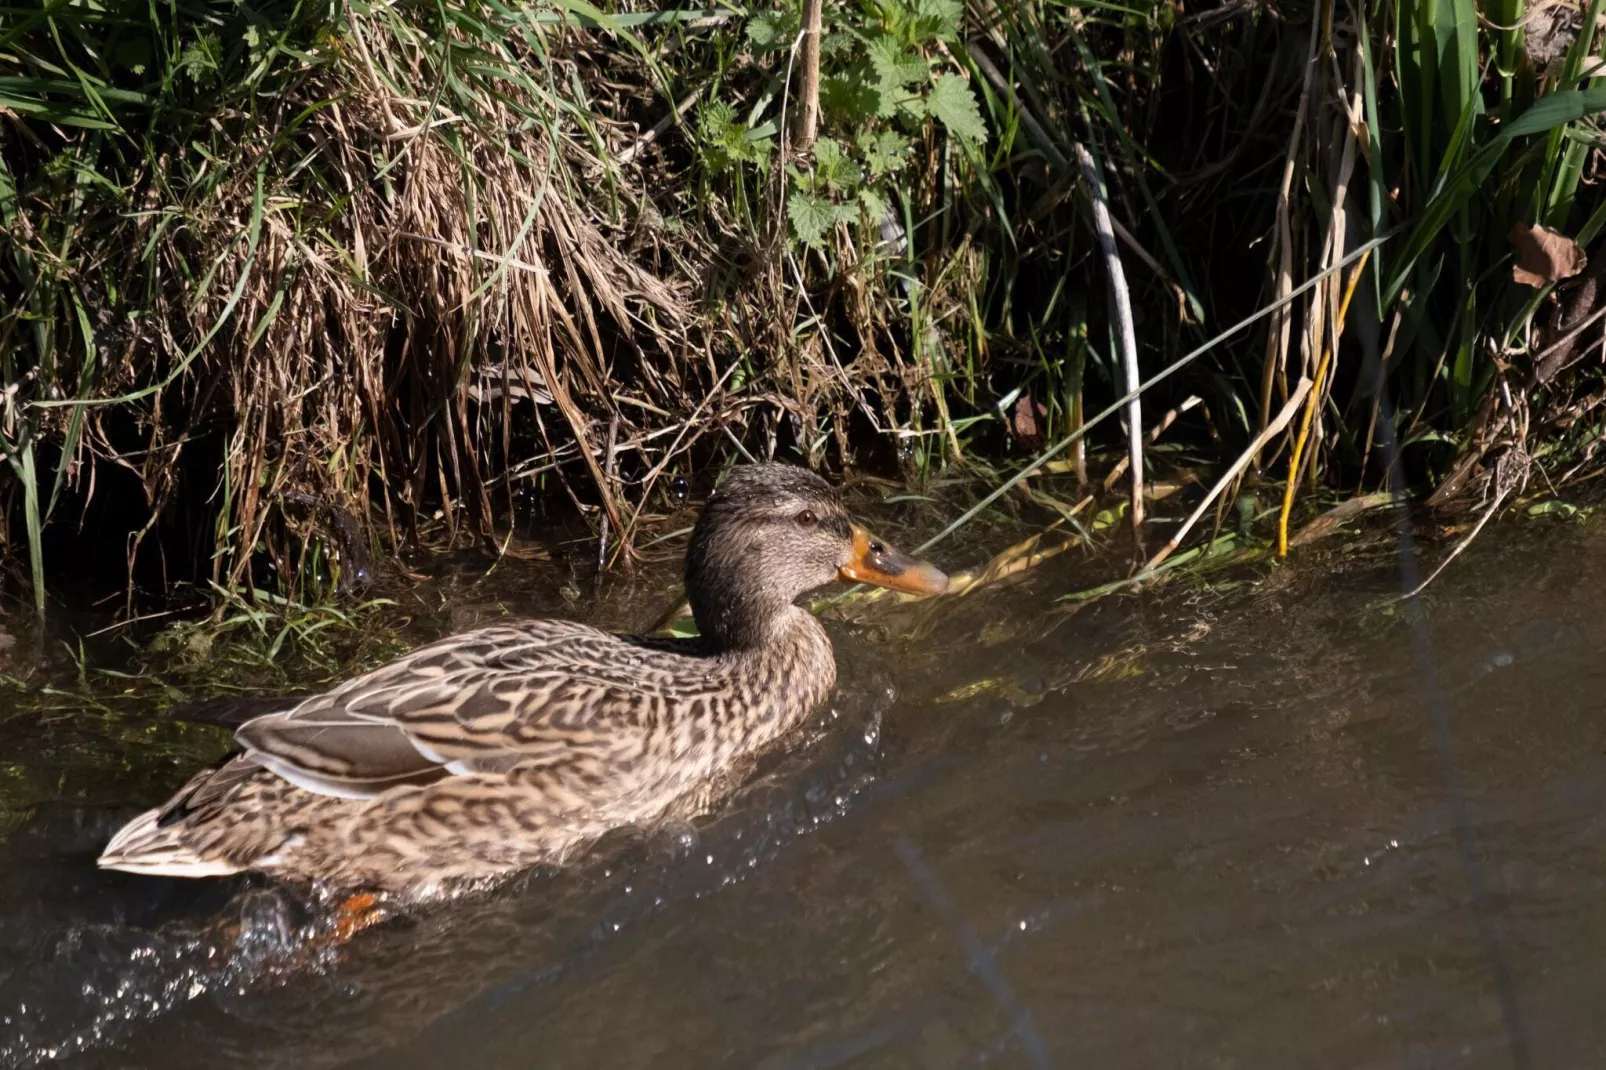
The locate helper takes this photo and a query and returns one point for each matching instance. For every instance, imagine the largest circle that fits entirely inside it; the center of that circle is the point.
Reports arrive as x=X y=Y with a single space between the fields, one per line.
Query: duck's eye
x=806 y=519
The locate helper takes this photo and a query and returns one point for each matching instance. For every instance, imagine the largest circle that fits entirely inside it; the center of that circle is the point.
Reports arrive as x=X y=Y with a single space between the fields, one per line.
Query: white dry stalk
x=1282 y=321
x=1126 y=336
x=1324 y=320
x=1494 y=507
x=642 y=143
x=1271 y=431
x=1120 y=466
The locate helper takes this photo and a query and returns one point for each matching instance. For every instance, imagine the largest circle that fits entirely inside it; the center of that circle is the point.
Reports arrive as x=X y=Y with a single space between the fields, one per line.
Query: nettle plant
x=884 y=74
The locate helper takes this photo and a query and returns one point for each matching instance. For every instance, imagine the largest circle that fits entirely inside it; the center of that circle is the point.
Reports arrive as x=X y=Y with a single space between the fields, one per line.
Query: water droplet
x=710 y=859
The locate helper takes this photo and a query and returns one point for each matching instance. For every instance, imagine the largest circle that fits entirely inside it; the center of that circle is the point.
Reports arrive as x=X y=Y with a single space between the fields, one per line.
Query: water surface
x=1205 y=827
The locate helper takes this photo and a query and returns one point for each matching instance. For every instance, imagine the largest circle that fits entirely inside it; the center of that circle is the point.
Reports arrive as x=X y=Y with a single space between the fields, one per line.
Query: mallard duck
x=495 y=750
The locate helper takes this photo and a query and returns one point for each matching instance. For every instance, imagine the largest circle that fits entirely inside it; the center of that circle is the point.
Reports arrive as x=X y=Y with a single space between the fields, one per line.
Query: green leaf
x=201 y=57
x=933 y=20
x=718 y=116
x=851 y=99
x=875 y=206
x=1554 y=507
x=720 y=135
x=771 y=31
x=1557 y=108
x=833 y=45
x=893 y=70
x=895 y=66
x=883 y=152
x=1456 y=190
x=1455 y=30
x=954 y=105
x=52 y=112
x=812 y=218
x=832 y=167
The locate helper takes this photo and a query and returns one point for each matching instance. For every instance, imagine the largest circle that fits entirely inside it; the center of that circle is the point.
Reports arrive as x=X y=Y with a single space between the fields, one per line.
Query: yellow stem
x=1314 y=400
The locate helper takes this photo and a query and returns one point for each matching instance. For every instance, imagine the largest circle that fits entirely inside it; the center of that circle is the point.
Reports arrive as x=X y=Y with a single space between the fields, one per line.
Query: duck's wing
x=532 y=693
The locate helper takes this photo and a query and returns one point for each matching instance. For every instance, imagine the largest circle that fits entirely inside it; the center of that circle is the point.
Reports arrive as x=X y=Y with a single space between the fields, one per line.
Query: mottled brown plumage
x=488 y=752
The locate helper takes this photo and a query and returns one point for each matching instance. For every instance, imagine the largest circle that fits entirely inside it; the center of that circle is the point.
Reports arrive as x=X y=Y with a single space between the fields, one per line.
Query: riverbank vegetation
x=290 y=288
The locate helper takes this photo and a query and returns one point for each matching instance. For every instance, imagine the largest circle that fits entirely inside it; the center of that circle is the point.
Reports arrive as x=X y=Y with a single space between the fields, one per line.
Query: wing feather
x=482 y=702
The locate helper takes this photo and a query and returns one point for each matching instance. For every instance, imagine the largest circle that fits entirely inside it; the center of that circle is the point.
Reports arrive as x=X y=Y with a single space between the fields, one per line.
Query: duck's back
x=478 y=755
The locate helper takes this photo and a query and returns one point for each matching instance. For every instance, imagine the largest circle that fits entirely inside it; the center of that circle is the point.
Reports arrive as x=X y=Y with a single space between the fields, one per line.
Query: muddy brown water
x=1211 y=826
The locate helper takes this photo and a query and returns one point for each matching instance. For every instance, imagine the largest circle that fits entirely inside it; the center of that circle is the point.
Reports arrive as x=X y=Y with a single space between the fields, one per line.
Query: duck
x=512 y=746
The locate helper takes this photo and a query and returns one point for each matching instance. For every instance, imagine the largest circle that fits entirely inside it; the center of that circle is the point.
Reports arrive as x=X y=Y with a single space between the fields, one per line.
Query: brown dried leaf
x=1544 y=256
x=1024 y=420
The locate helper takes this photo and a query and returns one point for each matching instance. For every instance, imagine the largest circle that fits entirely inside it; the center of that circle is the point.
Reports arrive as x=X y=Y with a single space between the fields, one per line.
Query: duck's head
x=771 y=533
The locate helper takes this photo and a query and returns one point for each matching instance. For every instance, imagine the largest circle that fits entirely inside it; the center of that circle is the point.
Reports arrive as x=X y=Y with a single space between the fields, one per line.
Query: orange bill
x=873 y=561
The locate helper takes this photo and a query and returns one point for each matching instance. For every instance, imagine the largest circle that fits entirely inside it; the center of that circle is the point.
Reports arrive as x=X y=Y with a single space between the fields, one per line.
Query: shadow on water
x=1201 y=828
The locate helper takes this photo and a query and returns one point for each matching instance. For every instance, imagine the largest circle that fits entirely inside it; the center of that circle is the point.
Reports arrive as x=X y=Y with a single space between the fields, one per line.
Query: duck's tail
x=145 y=845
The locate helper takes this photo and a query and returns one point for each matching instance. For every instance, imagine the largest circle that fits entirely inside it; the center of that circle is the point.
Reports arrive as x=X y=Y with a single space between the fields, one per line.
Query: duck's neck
x=777 y=653
x=787 y=675
x=734 y=617
x=744 y=629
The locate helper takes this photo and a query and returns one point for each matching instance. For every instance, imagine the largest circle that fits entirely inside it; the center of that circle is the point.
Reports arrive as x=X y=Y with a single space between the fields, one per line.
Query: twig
x=547 y=298
x=737 y=443
x=1277 y=333
x=809 y=120
x=1510 y=476
x=1569 y=337
x=607 y=470
x=1271 y=431
x=1126 y=338
x=1154 y=433
x=642 y=143
x=1327 y=523
x=477 y=254
x=651 y=478
x=1326 y=317
x=1494 y=507
x=1164 y=373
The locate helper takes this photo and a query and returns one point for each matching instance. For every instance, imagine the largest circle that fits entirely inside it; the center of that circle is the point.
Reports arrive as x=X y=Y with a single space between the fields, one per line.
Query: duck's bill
x=875 y=562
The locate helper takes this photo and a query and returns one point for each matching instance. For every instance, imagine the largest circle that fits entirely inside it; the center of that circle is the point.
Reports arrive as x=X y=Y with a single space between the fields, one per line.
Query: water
x=1206 y=827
